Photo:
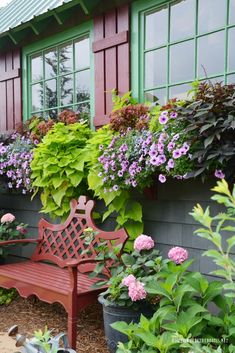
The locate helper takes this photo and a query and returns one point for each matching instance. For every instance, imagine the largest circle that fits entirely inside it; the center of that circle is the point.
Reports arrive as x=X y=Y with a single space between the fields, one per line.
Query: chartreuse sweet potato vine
x=65 y=165
x=58 y=169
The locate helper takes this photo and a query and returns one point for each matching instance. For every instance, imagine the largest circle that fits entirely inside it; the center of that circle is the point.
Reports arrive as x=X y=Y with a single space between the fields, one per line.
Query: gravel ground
x=32 y=314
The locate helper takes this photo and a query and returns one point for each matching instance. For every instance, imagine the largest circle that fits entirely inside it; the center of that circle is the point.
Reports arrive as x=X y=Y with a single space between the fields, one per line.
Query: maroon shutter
x=112 y=60
x=10 y=90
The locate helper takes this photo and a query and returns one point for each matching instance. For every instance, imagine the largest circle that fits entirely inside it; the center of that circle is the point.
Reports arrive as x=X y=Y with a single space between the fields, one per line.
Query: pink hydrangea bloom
x=21 y=229
x=128 y=280
x=136 y=291
x=143 y=242
x=7 y=218
x=178 y=255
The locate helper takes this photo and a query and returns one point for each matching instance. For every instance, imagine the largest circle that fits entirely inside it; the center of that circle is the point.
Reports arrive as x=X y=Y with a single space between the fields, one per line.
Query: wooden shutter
x=10 y=90
x=112 y=60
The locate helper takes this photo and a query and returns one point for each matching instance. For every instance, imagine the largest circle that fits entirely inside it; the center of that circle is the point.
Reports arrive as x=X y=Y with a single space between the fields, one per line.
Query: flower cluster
x=15 y=159
x=10 y=229
x=132 y=159
x=178 y=255
x=143 y=242
x=136 y=289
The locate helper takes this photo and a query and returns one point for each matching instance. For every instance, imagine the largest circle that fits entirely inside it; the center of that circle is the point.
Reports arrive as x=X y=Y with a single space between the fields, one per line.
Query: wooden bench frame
x=63 y=246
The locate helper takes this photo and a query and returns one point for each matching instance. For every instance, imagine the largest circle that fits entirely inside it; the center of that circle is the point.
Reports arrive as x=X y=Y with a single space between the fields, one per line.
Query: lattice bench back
x=61 y=242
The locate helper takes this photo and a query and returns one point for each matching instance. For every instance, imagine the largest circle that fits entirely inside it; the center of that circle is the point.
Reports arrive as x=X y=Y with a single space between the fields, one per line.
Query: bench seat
x=59 y=268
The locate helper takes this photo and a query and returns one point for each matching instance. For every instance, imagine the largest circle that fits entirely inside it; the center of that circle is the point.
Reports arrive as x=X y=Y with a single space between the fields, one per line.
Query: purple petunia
x=173 y=115
x=177 y=154
x=163 y=119
x=162 y=178
x=170 y=146
x=219 y=174
x=171 y=163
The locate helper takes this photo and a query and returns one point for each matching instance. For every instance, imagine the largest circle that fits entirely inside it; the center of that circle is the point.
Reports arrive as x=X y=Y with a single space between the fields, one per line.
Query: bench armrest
x=19 y=241
x=69 y=263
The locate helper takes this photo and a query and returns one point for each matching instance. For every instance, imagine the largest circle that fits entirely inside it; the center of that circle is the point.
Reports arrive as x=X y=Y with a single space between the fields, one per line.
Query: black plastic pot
x=113 y=313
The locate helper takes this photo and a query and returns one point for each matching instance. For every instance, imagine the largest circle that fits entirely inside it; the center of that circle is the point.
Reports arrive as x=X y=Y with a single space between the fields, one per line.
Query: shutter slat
x=111 y=51
x=10 y=88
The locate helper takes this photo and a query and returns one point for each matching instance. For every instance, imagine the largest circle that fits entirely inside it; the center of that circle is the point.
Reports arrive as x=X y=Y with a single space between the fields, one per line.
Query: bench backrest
x=61 y=242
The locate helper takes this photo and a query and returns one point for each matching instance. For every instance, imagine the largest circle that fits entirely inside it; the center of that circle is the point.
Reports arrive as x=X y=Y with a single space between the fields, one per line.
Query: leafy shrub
x=58 y=169
x=210 y=120
x=7 y=295
x=184 y=320
x=214 y=228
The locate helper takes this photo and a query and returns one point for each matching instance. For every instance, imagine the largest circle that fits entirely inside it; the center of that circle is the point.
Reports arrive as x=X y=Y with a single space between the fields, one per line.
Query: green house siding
x=176 y=42
x=82 y=31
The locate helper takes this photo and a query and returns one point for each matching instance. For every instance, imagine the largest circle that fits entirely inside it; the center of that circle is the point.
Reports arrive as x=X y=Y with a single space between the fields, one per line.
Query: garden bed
x=31 y=315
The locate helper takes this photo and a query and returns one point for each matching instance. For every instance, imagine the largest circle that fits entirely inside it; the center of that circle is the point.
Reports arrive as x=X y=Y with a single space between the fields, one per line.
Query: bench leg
x=72 y=331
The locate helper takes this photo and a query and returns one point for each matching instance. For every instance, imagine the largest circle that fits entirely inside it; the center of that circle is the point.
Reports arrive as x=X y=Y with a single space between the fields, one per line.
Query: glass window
x=60 y=78
x=156 y=22
x=182 y=61
x=211 y=15
x=211 y=46
x=182 y=19
x=183 y=40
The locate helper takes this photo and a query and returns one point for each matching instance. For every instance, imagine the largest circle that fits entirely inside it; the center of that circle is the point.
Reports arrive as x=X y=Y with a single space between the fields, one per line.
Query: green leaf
x=58 y=194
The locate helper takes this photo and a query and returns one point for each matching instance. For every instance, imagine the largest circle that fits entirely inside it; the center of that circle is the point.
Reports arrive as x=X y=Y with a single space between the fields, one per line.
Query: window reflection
x=66 y=59
x=83 y=85
x=156 y=28
x=37 y=97
x=182 y=19
x=36 y=68
x=66 y=88
x=211 y=54
x=231 y=79
x=180 y=91
x=50 y=63
x=182 y=61
x=50 y=94
x=211 y=15
x=156 y=96
x=82 y=54
x=155 y=68
x=232 y=12
x=231 y=51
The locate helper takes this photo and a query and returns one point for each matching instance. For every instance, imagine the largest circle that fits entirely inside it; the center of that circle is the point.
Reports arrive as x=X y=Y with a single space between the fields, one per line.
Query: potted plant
x=10 y=229
x=126 y=298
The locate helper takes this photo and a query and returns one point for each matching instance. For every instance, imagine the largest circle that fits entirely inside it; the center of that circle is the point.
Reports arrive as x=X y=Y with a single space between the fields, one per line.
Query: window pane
x=66 y=87
x=155 y=68
x=231 y=78
x=232 y=12
x=157 y=95
x=156 y=30
x=83 y=85
x=51 y=114
x=217 y=79
x=50 y=94
x=36 y=68
x=211 y=54
x=182 y=61
x=180 y=92
x=66 y=58
x=37 y=97
x=231 y=51
x=50 y=63
x=211 y=15
x=84 y=111
x=182 y=19
x=82 y=54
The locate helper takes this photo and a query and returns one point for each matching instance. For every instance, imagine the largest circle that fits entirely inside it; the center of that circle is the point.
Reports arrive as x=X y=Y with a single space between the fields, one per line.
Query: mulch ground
x=32 y=314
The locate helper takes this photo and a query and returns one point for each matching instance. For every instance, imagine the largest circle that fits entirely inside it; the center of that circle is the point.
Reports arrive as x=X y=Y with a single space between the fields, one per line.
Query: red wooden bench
x=62 y=245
